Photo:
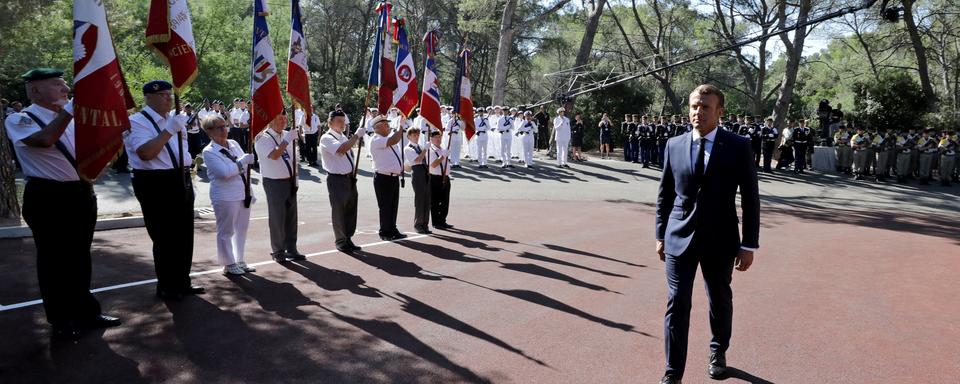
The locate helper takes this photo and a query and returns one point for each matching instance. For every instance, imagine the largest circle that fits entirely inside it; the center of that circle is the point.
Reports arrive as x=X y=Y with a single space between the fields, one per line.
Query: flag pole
x=176 y=106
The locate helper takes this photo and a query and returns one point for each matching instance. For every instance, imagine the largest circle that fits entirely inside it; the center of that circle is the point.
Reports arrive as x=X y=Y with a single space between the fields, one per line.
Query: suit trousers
x=681 y=270
x=233 y=219
x=62 y=216
x=282 y=214
x=167 y=205
x=421 y=198
x=343 y=206
x=387 y=189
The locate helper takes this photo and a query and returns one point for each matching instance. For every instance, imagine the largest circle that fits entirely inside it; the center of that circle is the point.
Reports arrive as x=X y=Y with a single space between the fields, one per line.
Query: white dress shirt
x=333 y=162
x=239 y=116
x=695 y=147
x=561 y=125
x=314 y=126
x=141 y=131
x=410 y=154
x=47 y=163
x=435 y=154
x=226 y=183
x=267 y=141
x=386 y=158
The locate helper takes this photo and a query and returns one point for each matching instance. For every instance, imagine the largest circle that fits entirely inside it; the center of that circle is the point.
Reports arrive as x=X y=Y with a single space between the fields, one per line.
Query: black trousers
x=281 y=214
x=421 y=198
x=387 y=189
x=310 y=143
x=343 y=206
x=439 y=199
x=768 y=148
x=167 y=204
x=62 y=216
x=757 y=153
x=800 y=156
x=717 y=270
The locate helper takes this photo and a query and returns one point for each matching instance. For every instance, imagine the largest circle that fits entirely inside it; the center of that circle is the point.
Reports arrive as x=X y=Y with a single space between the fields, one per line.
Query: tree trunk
x=9 y=206
x=920 y=52
x=503 y=52
x=593 y=23
x=794 y=55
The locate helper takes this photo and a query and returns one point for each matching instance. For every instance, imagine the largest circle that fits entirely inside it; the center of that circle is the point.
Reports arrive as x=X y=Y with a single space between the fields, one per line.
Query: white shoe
x=233 y=269
x=246 y=268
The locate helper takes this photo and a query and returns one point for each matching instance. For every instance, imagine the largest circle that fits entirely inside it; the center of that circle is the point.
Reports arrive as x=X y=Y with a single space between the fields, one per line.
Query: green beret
x=41 y=74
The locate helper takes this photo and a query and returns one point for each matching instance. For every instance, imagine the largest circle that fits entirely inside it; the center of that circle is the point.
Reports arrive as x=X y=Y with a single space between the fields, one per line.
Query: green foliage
x=894 y=101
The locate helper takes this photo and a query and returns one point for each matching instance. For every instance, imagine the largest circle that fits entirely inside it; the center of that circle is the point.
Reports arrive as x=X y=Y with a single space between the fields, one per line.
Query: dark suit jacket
x=709 y=212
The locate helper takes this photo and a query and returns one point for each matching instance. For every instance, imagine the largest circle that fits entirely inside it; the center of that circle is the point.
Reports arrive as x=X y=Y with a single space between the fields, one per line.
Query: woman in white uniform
x=226 y=167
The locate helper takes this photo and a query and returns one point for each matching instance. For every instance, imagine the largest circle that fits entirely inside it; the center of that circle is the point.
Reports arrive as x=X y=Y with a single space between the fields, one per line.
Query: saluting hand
x=744 y=260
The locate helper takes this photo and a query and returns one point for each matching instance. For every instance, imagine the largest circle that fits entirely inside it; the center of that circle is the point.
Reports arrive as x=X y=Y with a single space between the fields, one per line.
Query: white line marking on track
x=4 y=308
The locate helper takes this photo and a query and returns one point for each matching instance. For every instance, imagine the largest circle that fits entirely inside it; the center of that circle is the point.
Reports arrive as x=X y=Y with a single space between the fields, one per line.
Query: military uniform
x=769 y=135
x=482 y=124
x=841 y=141
x=506 y=139
x=904 y=148
x=860 y=143
x=648 y=139
x=525 y=133
x=927 y=146
x=756 y=142
x=664 y=133
x=801 y=141
x=61 y=210
x=948 y=147
x=884 y=144
x=625 y=135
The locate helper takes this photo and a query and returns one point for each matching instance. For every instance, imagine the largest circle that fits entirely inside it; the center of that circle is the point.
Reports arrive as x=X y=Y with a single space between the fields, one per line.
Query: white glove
x=68 y=107
x=290 y=136
x=176 y=123
x=246 y=159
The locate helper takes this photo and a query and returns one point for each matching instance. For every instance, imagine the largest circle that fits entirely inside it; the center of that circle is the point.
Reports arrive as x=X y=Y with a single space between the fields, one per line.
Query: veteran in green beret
x=59 y=206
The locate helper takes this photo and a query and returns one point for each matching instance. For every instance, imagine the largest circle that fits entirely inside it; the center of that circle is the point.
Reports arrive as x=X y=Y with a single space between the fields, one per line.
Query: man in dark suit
x=697 y=225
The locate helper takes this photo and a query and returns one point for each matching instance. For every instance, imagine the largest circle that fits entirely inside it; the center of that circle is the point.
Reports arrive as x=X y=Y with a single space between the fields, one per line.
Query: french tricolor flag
x=405 y=97
x=264 y=83
x=298 y=82
x=430 y=96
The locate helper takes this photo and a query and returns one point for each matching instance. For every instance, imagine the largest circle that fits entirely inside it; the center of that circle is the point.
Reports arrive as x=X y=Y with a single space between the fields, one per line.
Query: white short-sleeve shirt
x=47 y=163
x=386 y=158
x=266 y=142
x=141 y=131
x=333 y=162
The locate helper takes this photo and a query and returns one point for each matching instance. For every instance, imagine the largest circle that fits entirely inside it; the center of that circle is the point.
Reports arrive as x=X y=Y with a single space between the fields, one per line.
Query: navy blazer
x=709 y=212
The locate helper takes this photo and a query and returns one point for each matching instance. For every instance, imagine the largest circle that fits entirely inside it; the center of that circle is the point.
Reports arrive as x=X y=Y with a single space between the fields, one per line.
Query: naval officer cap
x=156 y=86
x=379 y=119
x=41 y=74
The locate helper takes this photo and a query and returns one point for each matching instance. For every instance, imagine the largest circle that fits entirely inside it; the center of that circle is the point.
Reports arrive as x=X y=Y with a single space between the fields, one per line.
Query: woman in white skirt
x=227 y=167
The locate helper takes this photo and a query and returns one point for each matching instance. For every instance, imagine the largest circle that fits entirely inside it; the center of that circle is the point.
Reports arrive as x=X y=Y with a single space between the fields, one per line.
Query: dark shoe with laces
x=279 y=257
x=718 y=366
x=295 y=255
x=669 y=379
x=101 y=321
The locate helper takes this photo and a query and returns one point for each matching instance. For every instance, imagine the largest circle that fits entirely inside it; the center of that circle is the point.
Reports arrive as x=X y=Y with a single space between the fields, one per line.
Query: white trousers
x=505 y=142
x=233 y=219
x=563 y=147
x=454 y=143
x=528 y=149
x=481 y=140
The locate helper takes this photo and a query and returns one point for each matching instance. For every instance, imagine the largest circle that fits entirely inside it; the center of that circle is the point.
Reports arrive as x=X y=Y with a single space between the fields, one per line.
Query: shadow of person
x=534 y=269
x=734 y=373
x=332 y=279
x=481 y=235
x=392 y=265
x=467 y=242
x=69 y=358
x=441 y=252
x=281 y=298
x=395 y=334
x=560 y=248
x=543 y=300
x=534 y=256
x=422 y=310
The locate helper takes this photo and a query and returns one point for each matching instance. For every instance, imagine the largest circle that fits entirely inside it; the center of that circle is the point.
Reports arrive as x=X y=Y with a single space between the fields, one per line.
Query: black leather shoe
x=386 y=237
x=194 y=290
x=102 y=321
x=345 y=248
x=424 y=231
x=353 y=247
x=167 y=295
x=279 y=257
x=66 y=332
x=399 y=236
x=669 y=379
x=718 y=366
x=295 y=256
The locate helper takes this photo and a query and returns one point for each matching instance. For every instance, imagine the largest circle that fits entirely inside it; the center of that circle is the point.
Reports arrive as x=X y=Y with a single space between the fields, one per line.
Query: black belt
x=481 y=132
x=388 y=174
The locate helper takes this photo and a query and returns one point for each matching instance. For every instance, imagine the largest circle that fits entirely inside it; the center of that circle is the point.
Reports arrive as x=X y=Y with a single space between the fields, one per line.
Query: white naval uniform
x=480 y=139
x=526 y=130
x=227 y=195
x=453 y=139
x=561 y=127
x=506 y=139
x=493 y=143
x=516 y=147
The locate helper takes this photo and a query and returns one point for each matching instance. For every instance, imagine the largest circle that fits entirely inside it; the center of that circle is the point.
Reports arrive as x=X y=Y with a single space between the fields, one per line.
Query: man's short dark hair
x=708 y=89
